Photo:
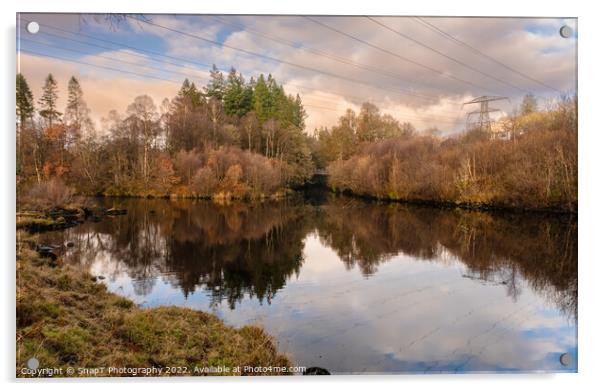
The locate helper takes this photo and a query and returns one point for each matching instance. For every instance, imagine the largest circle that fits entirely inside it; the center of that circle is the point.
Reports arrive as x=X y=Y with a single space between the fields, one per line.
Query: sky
x=419 y=70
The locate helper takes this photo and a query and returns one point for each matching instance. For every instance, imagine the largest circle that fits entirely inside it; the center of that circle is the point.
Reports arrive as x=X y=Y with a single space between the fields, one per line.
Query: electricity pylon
x=484 y=120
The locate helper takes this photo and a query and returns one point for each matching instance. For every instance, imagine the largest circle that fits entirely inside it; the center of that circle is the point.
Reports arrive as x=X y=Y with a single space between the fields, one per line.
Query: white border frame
x=590 y=159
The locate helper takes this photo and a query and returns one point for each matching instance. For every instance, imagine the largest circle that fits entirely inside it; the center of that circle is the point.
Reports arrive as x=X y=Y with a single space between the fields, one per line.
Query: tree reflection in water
x=253 y=249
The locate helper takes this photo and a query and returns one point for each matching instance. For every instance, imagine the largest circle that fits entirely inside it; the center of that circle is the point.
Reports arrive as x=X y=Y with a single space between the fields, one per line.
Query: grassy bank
x=451 y=205
x=67 y=319
x=186 y=193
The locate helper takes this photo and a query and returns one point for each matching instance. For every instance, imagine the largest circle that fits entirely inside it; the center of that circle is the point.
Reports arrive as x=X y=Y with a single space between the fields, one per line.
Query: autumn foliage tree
x=231 y=137
x=535 y=170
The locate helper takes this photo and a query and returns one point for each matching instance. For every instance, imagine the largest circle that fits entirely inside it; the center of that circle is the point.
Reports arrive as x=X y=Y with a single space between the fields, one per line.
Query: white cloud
x=531 y=46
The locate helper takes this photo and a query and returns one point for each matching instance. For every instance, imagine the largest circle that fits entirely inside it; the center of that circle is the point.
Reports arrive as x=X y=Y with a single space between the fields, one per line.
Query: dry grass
x=65 y=319
x=49 y=194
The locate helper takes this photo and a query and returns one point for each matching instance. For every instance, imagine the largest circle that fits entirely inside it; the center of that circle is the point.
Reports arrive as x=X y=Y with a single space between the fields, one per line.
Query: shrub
x=49 y=194
x=537 y=169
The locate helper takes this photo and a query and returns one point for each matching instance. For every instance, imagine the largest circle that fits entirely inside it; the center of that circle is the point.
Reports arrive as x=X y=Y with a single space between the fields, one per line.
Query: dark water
x=351 y=286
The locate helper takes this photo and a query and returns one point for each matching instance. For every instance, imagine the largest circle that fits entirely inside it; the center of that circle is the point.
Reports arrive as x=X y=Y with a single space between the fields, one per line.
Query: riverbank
x=66 y=318
x=223 y=196
x=475 y=206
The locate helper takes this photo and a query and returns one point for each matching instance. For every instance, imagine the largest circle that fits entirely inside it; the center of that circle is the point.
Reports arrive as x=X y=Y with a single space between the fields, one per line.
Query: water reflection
x=495 y=248
x=354 y=286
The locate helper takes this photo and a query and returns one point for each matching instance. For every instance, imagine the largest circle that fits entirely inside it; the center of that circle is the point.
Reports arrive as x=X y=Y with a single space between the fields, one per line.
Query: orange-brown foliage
x=536 y=169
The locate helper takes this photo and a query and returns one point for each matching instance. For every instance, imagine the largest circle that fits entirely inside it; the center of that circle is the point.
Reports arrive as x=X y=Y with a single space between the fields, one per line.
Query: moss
x=38 y=221
x=66 y=319
x=123 y=303
x=68 y=343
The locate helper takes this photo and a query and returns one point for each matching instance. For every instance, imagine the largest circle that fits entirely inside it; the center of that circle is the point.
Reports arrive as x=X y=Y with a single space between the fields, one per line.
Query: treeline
x=231 y=139
x=246 y=140
x=368 y=126
x=533 y=167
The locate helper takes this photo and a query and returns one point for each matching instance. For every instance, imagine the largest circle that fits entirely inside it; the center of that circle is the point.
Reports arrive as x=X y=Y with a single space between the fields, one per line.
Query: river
x=349 y=285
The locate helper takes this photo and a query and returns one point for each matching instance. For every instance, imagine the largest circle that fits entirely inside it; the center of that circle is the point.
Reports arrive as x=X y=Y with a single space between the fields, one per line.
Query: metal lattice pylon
x=484 y=120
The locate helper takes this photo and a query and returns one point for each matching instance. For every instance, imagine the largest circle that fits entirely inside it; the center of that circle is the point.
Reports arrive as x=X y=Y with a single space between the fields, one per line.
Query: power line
x=169 y=80
x=278 y=60
x=404 y=117
x=97 y=66
x=479 y=52
x=120 y=45
x=444 y=55
x=314 y=51
x=425 y=96
x=160 y=69
x=437 y=118
x=108 y=58
x=440 y=72
x=178 y=82
x=178 y=59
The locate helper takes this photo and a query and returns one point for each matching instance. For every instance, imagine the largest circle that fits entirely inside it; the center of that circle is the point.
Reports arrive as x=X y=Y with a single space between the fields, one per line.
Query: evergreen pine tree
x=238 y=97
x=299 y=113
x=77 y=113
x=48 y=101
x=216 y=85
x=25 y=105
x=262 y=100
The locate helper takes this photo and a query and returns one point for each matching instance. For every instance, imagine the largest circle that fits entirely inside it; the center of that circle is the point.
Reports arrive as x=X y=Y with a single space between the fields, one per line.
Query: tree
x=186 y=164
x=528 y=105
x=194 y=144
x=299 y=113
x=48 y=101
x=77 y=113
x=187 y=120
x=215 y=114
x=249 y=129
x=369 y=123
x=28 y=139
x=189 y=95
x=238 y=97
x=25 y=104
x=143 y=117
x=262 y=102
x=217 y=85
x=340 y=142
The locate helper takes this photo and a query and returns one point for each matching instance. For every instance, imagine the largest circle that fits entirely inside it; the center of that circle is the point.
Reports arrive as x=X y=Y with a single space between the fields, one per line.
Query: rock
x=115 y=211
x=70 y=244
x=46 y=252
x=101 y=277
x=316 y=371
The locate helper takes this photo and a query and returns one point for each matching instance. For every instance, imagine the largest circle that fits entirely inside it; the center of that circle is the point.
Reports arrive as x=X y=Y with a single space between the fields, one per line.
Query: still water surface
x=351 y=286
